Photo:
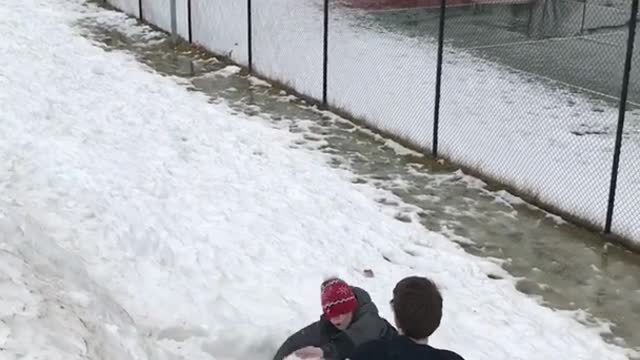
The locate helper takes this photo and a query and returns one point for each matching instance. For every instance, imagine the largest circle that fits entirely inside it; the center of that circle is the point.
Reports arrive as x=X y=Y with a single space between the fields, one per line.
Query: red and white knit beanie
x=337 y=298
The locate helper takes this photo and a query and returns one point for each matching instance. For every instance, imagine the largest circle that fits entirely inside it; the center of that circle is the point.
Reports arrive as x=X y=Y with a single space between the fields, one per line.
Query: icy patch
x=427 y=198
x=286 y=98
x=401 y=150
x=500 y=200
x=510 y=198
x=228 y=71
x=255 y=81
x=181 y=333
x=558 y=220
x=126 y=25
x=470 y=181
x=449 y=233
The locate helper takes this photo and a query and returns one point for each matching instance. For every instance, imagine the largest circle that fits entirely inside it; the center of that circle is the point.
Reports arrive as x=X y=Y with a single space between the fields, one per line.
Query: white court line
x=555 y=39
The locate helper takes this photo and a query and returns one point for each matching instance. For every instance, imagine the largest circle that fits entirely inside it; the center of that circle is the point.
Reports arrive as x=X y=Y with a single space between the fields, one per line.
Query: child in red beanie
x=349 y=319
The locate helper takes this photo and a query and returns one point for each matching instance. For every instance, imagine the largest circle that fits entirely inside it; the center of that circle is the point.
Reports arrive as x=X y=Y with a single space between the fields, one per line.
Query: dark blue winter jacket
x=401 y=348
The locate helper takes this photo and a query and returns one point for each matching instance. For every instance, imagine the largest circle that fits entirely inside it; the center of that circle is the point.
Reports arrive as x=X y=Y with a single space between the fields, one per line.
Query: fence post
x=174 y=21
x=249 y=36
x=544 y=19
x=325 y=59
x=189 y=21
x=621 y=116
x=140 y=10
x=584 y=16
x=436 y=113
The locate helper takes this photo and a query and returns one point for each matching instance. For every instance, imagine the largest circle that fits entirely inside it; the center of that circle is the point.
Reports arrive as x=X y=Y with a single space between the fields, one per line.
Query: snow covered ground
x=139 y=221
x=515 y=127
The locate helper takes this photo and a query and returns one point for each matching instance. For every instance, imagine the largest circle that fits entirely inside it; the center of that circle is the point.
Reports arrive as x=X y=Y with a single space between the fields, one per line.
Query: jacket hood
x=365 y=304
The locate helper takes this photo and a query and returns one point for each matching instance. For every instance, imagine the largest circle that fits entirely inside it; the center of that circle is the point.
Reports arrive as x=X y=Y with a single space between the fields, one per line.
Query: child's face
x=342 y=322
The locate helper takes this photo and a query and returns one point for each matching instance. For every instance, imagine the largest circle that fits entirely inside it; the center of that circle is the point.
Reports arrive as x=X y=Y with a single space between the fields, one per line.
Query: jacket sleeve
x=308 y=336
x=367 y=328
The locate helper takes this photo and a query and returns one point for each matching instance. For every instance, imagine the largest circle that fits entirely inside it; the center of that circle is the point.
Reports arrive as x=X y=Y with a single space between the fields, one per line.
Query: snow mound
x=51 y=309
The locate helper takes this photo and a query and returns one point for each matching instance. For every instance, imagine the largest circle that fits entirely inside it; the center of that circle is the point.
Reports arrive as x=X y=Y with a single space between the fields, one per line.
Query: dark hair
x=417 y=304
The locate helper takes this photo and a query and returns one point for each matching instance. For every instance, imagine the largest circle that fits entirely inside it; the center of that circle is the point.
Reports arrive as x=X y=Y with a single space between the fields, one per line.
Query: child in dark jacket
x=417 y=305
x=349 y=319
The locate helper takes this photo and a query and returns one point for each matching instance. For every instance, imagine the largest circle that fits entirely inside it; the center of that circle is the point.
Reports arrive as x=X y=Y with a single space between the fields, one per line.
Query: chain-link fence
x=158 y=12
x=291 y=35
x=383 y=77
x=627 y=200
x=528 y=99
x=131 y=7
x=527 y=92
x=221 y=26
